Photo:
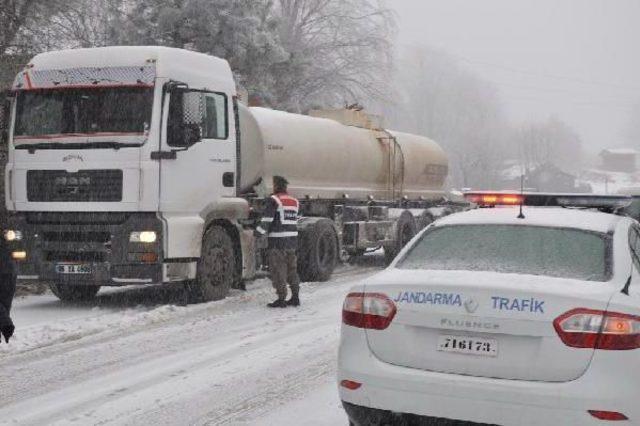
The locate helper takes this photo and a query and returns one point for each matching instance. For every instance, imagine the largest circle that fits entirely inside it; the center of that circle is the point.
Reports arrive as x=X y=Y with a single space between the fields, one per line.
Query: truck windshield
x=83 y=112
x=531 y=250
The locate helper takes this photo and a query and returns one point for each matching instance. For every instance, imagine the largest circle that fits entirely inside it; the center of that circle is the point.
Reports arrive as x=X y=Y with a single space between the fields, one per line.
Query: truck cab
x=119 y=161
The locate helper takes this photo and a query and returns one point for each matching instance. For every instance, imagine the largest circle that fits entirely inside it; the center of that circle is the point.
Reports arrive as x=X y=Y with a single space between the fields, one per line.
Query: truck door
x=197 y=164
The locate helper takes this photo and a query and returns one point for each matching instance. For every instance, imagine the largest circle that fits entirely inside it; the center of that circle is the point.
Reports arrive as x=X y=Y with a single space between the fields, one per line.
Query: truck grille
x=85 y=185
x=76 y=218
x=62 y=256
x=77 y=237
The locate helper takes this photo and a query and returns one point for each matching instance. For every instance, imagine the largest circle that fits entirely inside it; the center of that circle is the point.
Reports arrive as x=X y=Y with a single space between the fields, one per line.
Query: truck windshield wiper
x=80 y=145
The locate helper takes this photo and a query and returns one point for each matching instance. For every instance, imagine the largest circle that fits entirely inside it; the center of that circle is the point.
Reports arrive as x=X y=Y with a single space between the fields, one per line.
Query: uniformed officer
x=7 y=290
x=280 y=223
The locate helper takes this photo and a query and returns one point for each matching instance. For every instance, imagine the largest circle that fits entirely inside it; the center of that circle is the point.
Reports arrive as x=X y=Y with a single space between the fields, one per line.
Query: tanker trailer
x=361 y=187
x=157 y=177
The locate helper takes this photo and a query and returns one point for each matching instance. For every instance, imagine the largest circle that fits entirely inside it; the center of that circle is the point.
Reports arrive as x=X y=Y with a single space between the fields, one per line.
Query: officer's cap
x=280 y=182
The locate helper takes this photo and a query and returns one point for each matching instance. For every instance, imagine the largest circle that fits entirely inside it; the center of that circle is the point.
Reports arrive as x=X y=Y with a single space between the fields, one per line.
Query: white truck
x=138 y=165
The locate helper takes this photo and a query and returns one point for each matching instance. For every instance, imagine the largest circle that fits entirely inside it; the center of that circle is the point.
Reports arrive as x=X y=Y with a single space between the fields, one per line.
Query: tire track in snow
x=215 y=370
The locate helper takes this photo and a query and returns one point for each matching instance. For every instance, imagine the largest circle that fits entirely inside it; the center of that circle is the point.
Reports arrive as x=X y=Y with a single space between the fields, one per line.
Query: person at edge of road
x=280 y=224
x=7 y=290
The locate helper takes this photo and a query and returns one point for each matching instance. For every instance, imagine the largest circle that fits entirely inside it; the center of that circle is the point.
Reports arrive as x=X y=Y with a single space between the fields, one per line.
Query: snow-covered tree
x=242 y=31
x=339 y=51
x=292 y=53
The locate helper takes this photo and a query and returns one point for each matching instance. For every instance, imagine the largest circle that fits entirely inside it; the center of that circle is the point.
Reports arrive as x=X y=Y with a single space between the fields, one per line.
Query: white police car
x=491 y=319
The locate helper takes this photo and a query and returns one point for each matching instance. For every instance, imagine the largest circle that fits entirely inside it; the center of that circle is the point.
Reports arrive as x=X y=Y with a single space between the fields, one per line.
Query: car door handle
x=164 y=155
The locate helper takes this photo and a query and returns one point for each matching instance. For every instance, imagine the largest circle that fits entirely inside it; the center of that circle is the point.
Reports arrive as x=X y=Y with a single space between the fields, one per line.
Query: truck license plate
x=468 y=345
x=73 y=269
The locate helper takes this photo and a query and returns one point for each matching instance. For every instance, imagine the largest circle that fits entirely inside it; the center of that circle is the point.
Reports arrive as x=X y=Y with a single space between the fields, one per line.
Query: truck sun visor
x=31 y=79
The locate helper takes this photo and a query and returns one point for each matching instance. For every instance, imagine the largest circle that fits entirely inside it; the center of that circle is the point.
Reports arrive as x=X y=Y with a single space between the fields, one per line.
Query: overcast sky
x=576 y=59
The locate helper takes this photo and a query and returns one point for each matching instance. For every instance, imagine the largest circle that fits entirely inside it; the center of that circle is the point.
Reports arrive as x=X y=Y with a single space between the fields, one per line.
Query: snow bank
x=55 y=332
x=44 y=321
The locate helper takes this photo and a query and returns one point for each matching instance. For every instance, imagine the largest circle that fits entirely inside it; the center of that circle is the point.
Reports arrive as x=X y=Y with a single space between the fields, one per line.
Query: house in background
x=545 y=177
x=550 y=178
x=619 y=159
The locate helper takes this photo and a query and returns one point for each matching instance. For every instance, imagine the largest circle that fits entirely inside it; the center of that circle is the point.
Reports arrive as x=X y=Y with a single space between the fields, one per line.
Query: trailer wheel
x=215 y=273
x=318 y=252
x=426 y=219
x=74 y=293
x=406 y=230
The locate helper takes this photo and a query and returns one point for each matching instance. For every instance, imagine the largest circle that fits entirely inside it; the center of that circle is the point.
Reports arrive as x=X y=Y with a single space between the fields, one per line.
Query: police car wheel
x=215 y=273
x=74 y=293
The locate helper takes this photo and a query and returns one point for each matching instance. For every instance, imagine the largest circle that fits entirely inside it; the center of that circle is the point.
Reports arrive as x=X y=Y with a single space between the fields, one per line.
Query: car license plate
x=468 y=345
x=73 y=269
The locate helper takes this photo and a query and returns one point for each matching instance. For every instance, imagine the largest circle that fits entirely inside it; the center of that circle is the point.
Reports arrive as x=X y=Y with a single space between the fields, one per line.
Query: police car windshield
x=533 y=250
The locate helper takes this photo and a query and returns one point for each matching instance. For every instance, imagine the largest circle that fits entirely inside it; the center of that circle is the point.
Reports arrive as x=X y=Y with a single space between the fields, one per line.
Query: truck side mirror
x=192 y=134
x=184 y=135
x=186 y=118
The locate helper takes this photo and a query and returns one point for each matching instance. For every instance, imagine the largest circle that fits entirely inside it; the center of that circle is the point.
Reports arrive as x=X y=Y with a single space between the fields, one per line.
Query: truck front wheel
x=74 y=293
x=215 y=272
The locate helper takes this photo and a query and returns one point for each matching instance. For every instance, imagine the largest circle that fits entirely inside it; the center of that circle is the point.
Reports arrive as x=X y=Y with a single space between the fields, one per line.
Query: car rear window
x=533 y=250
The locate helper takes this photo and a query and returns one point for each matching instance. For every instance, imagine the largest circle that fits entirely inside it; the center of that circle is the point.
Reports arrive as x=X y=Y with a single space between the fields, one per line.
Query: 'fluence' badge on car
x=521 y=305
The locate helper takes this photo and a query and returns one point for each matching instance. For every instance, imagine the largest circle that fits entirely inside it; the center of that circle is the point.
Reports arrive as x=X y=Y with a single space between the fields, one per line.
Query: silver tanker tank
x=338 y=153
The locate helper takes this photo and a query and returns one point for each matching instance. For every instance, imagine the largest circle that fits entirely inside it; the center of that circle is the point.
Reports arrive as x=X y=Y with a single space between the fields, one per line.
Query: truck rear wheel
x=74 y=293
x=215 y=272
x=406 y=230
x=318 y=251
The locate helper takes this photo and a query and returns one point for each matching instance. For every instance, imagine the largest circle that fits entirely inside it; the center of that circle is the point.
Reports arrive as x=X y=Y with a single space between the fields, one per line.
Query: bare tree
x=14 y=14
x=338 y=52
x=549 y=142
x=17 y=19
x=439 y=99
x=80 y=23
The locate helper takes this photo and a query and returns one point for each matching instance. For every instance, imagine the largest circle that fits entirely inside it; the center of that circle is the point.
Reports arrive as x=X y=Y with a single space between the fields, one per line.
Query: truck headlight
x=19 y=255
x=11 y=235
x=143 y=237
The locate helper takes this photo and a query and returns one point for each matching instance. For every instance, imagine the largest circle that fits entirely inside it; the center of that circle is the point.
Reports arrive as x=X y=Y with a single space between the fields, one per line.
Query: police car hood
x=514 y=313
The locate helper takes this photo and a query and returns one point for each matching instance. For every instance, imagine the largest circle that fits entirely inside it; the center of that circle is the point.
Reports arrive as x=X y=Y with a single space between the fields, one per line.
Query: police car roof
x=537 y=216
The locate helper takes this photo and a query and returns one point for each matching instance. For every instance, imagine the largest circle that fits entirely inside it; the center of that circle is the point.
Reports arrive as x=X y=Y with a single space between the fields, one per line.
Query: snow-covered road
x=118 y=361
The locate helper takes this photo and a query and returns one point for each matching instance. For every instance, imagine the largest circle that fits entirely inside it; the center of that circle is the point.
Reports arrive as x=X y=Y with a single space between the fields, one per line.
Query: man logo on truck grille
x=70 y=185
x=72 y=157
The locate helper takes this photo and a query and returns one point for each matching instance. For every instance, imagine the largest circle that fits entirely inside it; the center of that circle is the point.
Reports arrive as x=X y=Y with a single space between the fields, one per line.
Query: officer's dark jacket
x=280 y=221
x=7 y=283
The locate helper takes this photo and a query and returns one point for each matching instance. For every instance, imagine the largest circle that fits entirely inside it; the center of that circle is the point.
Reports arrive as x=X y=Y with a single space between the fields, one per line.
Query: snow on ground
x=132 y=357
x=607 y=182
